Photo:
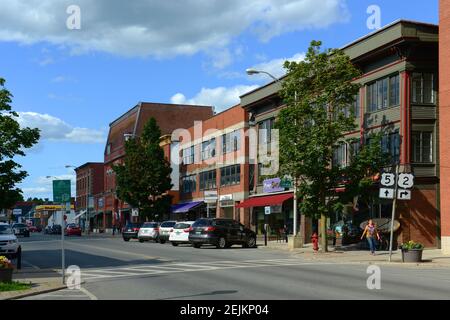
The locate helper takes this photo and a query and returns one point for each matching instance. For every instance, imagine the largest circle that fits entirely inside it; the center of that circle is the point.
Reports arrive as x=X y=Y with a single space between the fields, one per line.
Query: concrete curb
x=32 y=292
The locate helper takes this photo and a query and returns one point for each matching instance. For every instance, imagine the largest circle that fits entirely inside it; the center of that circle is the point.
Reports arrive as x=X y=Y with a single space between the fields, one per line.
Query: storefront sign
x=135 y=212
x=210 y=196
x=226 y=200
x=267 y=210
x=17 y=212
x=226 y=197
x=272 y=185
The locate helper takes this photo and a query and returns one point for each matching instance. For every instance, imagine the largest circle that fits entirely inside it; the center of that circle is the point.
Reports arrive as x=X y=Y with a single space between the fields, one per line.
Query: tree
x=13 y=141
x=143 y=178
x=318 y=92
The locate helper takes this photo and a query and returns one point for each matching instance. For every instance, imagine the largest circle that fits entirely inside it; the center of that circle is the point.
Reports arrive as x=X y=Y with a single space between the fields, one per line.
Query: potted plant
x=6 y=269
x=411 y=251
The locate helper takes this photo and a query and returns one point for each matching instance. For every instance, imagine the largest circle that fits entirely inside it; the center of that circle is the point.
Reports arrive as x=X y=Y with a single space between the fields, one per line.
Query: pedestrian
x=114 y=229
x=371 y=231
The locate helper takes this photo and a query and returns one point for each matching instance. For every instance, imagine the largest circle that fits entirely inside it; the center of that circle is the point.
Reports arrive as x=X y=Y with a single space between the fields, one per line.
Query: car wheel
x=126 y=239
x=141 y=240
x=250 y=243
x=197 y=245
x=162 y=241
x=222 y=243
x=174 y=244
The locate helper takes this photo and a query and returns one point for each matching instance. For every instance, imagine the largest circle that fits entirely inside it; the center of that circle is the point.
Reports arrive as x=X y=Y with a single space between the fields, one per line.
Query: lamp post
x=63 y=255
x=277 y=80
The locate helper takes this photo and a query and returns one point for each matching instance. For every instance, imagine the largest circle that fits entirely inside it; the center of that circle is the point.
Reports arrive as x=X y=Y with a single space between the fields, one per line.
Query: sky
x=73 y=70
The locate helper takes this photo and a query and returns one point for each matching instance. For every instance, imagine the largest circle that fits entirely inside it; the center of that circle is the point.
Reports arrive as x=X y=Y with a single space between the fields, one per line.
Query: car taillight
x=157 y=229
x=187 y=230
x=135 y=229
x=210 y=229
x=171 y=230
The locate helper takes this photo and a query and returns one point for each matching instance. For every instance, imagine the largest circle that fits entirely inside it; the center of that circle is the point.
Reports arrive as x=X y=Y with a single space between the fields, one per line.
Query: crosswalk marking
x=89 y=274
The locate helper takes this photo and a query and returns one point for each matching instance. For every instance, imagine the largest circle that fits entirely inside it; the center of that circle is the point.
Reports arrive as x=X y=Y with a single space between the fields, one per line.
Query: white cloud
x=220 y=97
x=61 y=79
x=36 y=191
x=275 y=66
x=55 y=129
x=161 y=28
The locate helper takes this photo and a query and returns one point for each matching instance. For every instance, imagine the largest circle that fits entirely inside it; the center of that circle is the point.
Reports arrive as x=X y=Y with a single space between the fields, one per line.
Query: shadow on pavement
x=203 y=294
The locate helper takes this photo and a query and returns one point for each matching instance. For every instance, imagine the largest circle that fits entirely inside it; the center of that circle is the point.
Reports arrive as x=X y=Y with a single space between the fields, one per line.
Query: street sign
x=386 y=193
x=387 y=179
x=135 y=212
x=61 y=191
x=267 y=210
x=403 y=194
x=405 y=180
x=17 y=212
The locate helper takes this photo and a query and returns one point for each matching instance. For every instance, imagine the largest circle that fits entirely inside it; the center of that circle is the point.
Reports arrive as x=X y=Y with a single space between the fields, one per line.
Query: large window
x=390 y=144
x=230 y=175
x=423 y=88
x=265 y=131
x=189 y=183
x=340 y=155
x=209 y=149
x=383 y=93
x=208 y=180
x=231 y=141
x=188 y=155
x=422 y=145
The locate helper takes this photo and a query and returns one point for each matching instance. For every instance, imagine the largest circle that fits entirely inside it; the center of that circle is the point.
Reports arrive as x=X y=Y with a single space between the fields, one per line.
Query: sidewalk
x=42 y=281
x=430 y=257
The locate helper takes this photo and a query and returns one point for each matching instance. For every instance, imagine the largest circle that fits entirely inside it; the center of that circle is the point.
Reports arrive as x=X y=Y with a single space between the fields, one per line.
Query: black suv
x=21 y=229
x=222 y=233
x=131 y=231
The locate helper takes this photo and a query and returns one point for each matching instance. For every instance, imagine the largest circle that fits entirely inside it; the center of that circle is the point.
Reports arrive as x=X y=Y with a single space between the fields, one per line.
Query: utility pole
x=394 y=204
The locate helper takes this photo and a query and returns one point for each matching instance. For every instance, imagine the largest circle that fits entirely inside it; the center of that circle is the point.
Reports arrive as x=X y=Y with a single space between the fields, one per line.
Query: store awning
x=264 y=201
x=185 y=207
x=80 y=214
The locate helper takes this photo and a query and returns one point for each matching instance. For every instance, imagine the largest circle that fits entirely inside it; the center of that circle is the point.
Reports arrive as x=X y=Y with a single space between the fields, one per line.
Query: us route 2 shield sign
x=386 y=193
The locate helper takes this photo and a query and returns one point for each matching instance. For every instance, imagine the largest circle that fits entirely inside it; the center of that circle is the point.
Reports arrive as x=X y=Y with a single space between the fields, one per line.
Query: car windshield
x=133 y=225
x=19 y=225
x=150 y=225
x=182 y=225
x=202 y=223
x=168 y=224
x=72 y=226
x=4 y=229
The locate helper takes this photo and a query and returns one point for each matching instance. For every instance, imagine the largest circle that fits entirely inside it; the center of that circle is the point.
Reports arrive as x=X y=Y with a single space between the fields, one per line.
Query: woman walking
x=371 y=231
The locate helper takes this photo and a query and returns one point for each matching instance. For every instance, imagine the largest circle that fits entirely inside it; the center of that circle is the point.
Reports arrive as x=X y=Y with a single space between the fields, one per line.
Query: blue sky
x=73 y=83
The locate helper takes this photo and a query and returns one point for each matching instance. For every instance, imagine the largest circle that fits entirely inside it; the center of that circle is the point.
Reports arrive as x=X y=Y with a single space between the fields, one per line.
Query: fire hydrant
x=315 y=242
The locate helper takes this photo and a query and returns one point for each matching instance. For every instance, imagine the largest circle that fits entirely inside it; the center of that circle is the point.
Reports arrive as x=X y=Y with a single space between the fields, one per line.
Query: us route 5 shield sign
x=386 y=193
x=387 y=179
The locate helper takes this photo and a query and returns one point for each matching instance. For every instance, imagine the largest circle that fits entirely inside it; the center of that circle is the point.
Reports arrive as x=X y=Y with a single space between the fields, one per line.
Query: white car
x=180 y=232
x=9 y=245
x=164 y=230
x=149 y=231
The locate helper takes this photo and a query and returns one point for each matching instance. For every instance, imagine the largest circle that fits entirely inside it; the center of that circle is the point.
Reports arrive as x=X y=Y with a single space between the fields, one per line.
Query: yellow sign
x=52 y=207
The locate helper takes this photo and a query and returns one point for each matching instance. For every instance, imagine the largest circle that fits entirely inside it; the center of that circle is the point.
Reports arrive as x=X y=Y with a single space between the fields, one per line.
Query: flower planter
x=6 y=275
x=412 y=255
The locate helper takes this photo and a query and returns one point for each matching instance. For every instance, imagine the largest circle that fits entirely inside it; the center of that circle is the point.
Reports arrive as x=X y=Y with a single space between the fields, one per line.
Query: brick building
x=169 y=117
x=214 y=171
x=444 y=115
x=399 y=98
x=89 y=182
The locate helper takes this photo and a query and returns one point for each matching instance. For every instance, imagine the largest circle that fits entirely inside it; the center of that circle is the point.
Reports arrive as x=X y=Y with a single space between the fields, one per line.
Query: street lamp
x=250 y=72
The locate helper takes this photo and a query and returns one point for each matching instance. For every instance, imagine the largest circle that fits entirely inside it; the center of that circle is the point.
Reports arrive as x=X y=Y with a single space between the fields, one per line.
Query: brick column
x=444 y=118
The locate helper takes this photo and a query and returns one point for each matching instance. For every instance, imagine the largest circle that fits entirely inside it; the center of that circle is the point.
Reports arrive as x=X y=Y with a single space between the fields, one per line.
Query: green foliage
x=13 y=141
x=144 y=177
x=411 y=245
x=317 y=92
x=14 y=286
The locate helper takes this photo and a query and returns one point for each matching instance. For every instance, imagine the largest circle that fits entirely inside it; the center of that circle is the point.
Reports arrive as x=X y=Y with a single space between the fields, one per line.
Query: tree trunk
x=323 y=233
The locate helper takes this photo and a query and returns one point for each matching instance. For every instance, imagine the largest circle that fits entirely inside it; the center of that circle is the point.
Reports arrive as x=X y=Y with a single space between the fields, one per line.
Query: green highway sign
x=61 y=191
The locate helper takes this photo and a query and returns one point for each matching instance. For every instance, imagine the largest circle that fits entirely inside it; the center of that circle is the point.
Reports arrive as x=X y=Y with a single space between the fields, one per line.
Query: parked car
x=72 y=229
x=21 y=229
x=56 y=229
x=180 y=233
x=222 y=233
x=33 y=229
x=149 y=231
x=131 y=231
x=9 y=245
x=48 y=230
x=164 y=230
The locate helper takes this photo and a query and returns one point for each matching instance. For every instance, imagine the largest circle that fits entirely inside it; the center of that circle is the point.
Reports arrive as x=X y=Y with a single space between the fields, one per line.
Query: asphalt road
x=114 y=269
